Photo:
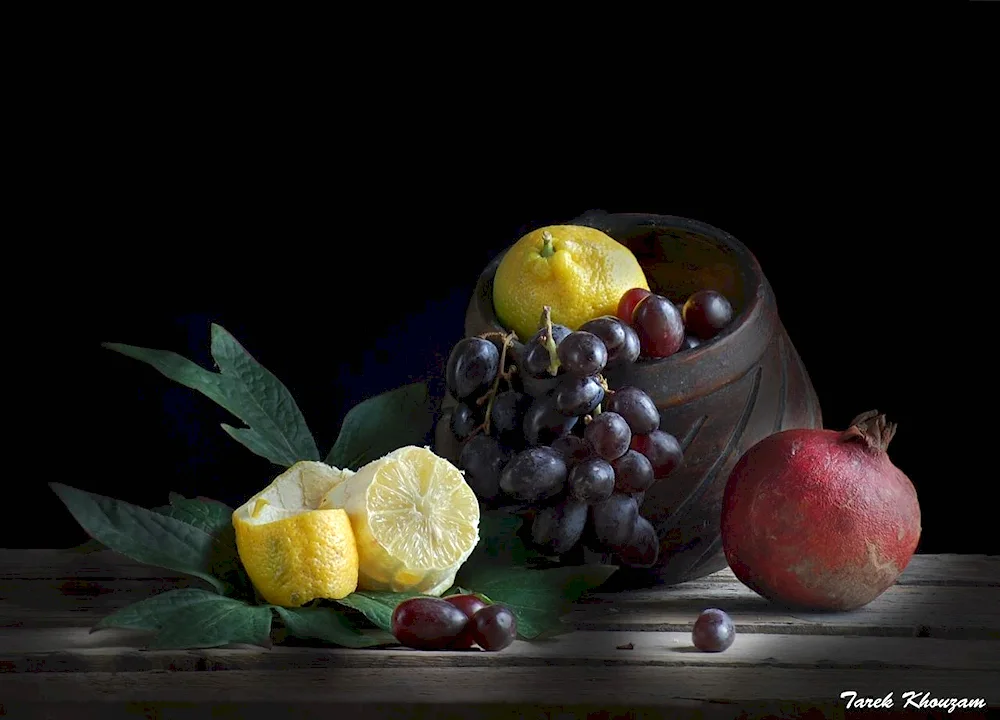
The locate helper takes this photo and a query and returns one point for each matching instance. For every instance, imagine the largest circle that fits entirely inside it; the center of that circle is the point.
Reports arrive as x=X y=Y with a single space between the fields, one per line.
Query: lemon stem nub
x=550 y=343
x=548 y=249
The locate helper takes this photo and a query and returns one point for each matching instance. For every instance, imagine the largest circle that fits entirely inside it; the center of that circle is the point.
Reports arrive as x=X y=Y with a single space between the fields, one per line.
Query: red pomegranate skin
x=820 y=519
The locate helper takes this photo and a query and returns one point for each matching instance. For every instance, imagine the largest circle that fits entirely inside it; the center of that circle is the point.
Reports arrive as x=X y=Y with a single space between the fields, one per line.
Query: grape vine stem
x=507 y=340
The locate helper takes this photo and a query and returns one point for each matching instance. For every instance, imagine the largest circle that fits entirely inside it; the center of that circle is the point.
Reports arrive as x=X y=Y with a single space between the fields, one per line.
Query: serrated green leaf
x=214 y=518
x=538 y=598
x=382 y=424
x=143 y=535
x=276 y=429
x=278 y=418
x=192 y=618
x=329 y=625
x=209 y=515
x=377 y=606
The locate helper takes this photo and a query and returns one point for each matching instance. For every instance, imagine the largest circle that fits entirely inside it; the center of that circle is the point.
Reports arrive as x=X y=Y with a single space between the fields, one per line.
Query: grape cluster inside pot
x=538 y=426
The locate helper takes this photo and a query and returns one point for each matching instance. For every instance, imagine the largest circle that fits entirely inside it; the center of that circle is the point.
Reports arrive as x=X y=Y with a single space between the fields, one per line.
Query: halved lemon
x=293 y=551
x=415 y=520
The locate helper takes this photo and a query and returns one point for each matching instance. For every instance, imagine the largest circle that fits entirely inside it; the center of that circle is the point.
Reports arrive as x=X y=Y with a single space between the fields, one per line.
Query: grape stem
x=550 y=343
x=507 y=340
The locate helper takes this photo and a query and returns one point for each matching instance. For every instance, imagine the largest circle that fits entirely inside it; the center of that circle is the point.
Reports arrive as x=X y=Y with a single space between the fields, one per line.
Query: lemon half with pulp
x=415 y=521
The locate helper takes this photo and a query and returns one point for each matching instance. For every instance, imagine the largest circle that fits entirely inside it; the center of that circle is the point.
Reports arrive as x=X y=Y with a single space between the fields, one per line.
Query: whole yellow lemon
x=579 y=272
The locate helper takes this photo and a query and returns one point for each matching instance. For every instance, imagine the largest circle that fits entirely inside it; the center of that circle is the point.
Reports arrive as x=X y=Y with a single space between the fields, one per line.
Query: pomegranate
x=821 y=519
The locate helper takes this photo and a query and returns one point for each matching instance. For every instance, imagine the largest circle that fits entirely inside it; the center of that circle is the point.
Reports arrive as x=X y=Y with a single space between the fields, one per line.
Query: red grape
x=659 y=326
x=662 y=450
x=428 y=623
x=494 y=627
x=470 y=605
x=713 y=631
x=706 y=313
x=631 y=298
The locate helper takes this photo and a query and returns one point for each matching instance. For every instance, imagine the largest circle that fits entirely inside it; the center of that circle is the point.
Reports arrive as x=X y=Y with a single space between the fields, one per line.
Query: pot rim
x=732 y=353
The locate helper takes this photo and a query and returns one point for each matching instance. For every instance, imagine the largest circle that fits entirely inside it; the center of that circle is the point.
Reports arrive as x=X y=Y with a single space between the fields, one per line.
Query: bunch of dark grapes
x=538 y=425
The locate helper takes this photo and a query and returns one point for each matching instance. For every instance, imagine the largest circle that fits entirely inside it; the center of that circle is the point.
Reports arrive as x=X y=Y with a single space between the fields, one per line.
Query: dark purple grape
x=621 y=341
x=428 y=623
x=630 y=351
x=483 y=459
x=507 y=415
x=535 y=359
x=534 y=474
x=578 y=396
x=574 y=449
x=614 y=519
x=464 y=419
x=609 y=435
x=713 y=631
x=494 y=627
x=543 y=423
x=662 y=450
x=690 y=342
x=640 y=498
x=659 y=326
x=706 y=313
x=539 y=387
x=472 y=367
x=470 y=605
x=582 y=354
x=557 y=528
x=633 y=473
x=636 y=407
x=592 y=481
x=643 y=546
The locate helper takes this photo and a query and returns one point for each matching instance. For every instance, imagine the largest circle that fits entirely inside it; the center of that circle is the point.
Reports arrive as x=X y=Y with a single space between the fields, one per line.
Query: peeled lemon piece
x=293 y=551
x=415 y=519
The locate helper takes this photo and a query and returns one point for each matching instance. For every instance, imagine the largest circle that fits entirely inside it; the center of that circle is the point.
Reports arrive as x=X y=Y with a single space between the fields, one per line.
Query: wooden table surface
x=629 y=654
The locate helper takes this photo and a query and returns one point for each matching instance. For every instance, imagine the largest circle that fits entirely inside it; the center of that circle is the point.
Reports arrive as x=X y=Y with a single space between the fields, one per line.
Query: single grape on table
x=713 y=631
x=494 y=627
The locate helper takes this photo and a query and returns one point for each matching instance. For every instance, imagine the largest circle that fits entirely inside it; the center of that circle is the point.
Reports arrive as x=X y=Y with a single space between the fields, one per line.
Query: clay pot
x=718 y=399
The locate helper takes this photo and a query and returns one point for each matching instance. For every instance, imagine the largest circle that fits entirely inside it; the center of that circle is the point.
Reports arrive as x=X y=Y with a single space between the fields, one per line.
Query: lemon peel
x=294 y=551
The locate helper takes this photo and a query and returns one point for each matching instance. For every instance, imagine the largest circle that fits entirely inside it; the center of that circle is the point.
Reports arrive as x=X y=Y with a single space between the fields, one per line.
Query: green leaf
x=276 y=429
x=211 y=516
x=500 y=541
x=382 y=424
x=191 y=618
x=329 y=625
x=216 y=519
x=377 y=606
x=538 y=598
x=143 y=535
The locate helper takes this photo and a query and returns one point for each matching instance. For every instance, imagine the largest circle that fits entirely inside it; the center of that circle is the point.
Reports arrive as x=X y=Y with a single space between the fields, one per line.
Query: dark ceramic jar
x=717 y=399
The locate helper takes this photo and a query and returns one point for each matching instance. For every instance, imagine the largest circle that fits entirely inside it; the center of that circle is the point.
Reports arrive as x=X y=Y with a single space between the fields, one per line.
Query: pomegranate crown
x=872 y=429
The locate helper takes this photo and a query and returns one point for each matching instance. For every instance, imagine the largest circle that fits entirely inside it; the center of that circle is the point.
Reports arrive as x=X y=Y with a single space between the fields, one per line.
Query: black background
x=347 y=280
